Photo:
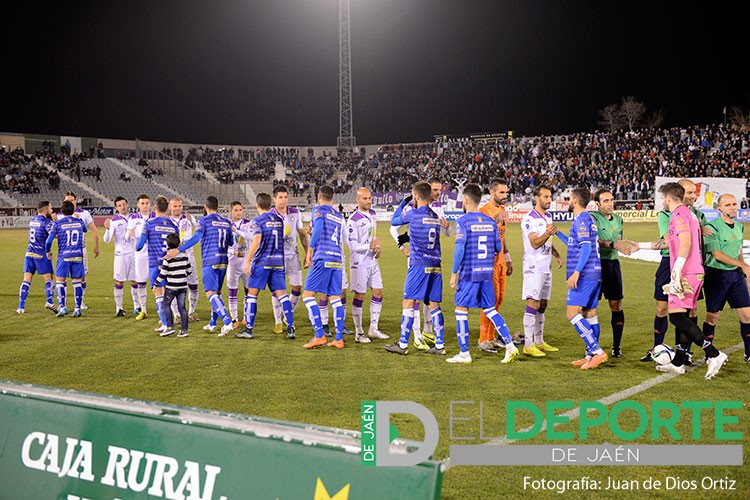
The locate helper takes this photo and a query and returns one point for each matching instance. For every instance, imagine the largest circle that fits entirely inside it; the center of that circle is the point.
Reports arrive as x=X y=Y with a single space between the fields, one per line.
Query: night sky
x=266 y=71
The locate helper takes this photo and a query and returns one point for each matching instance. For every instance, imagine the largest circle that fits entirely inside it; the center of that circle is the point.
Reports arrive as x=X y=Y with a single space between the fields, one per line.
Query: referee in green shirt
x=727 y=273
x=609 y=225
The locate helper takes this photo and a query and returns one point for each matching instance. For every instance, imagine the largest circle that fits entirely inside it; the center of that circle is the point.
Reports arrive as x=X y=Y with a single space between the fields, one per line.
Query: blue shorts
x=424 y=283
x=322 y=279
x=724 y=286
x=153 y=274
x=37 y=265
x=213 y=278
x=663 y=277
x=70 y=269
x=262 y=277
x=475 y=294
x=586 y=295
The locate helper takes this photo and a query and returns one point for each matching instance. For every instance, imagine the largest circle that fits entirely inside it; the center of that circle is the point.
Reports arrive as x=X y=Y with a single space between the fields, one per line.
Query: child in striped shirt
x=175 y=271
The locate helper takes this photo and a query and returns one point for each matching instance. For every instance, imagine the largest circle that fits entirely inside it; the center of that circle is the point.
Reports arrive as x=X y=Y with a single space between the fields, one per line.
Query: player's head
x=325 y=195
x=436 y=187
x=263 y=202
x=605 y=202
x=727 y=205
x=68 y=208
x=472 y=197
x=580 y=197
x=161 y=205
x=690 y=192
x=173 y=240
x=542 y=197
x=236 y=210
x=143 y=202
x=44 y=208
x=121 y=205
x=280 y=197
x=672 y=194
x=212 y=204
x=364 y=199
x=175 y=207
x=499 y=191
x=422 y=191
x=71 y=197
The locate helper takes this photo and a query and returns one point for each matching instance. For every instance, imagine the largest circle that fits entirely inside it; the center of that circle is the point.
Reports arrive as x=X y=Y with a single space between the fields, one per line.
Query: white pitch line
x=618 y=396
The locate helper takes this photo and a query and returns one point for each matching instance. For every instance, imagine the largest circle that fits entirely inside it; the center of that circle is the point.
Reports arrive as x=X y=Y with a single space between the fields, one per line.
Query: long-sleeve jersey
x=477 y=243
x=327 y=235
x=270 y=253
x=118 y=231
x=215 y=235
x=69 y=232
x=39 y=229
x=361 y=230
x=424 y=234
x=155 y=234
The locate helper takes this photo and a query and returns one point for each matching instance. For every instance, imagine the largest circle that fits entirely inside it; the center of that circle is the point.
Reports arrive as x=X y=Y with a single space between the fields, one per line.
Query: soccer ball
x=662 y=354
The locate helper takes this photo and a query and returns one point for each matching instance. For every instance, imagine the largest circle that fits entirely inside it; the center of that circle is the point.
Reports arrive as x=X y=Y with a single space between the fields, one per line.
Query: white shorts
x=141 y=269
x=193 y=276
x=235 y=274
x=537 y=286
x=293 y=270
x=125 y=267
x=366 y=277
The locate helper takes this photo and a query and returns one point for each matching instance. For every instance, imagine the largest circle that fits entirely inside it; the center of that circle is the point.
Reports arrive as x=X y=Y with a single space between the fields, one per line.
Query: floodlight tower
x=346 y=140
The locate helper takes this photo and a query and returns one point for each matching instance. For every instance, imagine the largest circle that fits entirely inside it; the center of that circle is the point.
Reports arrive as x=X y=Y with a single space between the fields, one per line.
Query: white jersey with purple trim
x=394 y=230
x=536 y=260
x=292 y=226
x=243 y=234
x=118 y=231
x=186 y=225
x=360 y=232
x=439 y=209
x=137 y=221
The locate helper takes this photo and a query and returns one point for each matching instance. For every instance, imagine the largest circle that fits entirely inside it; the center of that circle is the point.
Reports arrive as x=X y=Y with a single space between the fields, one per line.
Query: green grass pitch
x=276 y=378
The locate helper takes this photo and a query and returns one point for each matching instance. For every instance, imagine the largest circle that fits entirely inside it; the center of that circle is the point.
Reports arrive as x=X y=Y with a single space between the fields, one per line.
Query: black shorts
x=723 y=287
x=663 y=277
x=611 y=280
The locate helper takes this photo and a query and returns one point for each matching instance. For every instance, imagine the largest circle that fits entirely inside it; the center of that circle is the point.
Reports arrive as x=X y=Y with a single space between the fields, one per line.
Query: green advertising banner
x=71 y=445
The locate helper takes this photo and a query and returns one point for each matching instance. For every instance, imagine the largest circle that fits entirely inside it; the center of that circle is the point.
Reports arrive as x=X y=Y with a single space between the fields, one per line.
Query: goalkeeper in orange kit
x=503 y=266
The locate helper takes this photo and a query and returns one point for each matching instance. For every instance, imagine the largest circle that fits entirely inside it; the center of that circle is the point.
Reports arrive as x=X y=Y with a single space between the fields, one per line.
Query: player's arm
x=445 y=225
x=48 y=242
x=352 y=241
x=458 y=258
x=397 y=219
x=254 y=245
x=141 y=241
x=109 y=232
x=583 y=258
x=95 y=233
x=303 y=238
x=194 y=240
x=506 y=256
x=163 y=270
x=317 y=230
x=537 y=240
x=556 y=255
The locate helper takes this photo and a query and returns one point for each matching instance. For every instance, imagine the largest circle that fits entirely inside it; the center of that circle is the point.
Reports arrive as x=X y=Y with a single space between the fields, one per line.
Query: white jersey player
x=294 y=233
x=87 y=219
x=241 y=227
x=136 y=222
x=536 y=230
x=124 y=262
x=186 y=224
x=364 y=252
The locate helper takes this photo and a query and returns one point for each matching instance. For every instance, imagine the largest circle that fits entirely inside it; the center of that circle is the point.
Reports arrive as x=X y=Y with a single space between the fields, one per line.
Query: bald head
x=364 y=199
x=690 y=194
x=727 y=207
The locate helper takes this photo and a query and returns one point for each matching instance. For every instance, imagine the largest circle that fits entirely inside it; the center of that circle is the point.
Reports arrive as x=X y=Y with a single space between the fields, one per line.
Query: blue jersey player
x=264 y=264
x=70 y=232
x=215 y=235
x=36 y=260
x=326 y=259
x=424 y=278
x=155 y=233
x=584 y=273
x=477 y=244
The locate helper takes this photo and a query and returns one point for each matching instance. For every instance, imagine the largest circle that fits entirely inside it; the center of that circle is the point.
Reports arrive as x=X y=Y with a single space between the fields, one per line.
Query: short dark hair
x=42 y=205
x=173 y=240
x=496 y=182
x=474 y=192
x=263 y=200
x=599 y=193
x=423 y=190
x=68 y=208
x=142 y=196
x=119 y=199
x=434 y=180
x=162 y=204
x=583 y=196
x=70 y=193
x=326 y=192
x=212 y=203
x=538 y=190
x=234 y=204
x=673 y=190
x=279 y=188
